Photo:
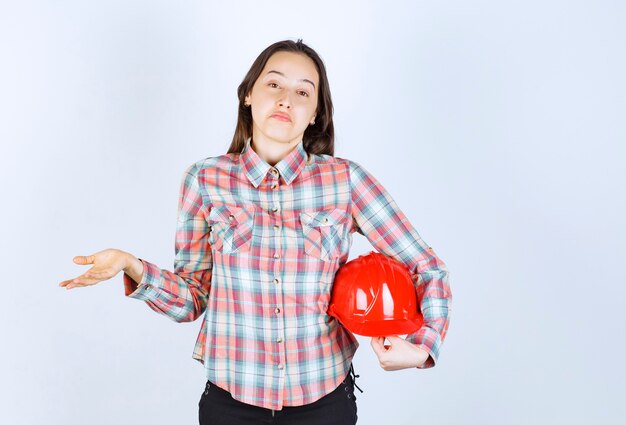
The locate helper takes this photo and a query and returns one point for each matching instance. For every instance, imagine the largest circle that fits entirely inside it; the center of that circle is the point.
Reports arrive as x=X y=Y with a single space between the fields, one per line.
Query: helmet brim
x=383 y=327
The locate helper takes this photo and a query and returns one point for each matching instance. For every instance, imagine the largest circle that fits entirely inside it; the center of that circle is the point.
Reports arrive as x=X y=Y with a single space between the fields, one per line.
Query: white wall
x=498 y=127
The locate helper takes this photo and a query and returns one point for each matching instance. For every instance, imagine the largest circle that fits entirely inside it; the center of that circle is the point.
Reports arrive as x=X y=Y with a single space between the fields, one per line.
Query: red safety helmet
x=374 y=295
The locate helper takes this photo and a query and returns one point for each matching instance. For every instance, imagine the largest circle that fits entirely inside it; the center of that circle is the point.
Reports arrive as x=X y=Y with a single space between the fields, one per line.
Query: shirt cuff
x=428 y=340
x=145 y=290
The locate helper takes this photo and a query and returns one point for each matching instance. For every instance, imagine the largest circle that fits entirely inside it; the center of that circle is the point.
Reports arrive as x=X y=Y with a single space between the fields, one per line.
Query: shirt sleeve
x=377 y=216
x=182 y=294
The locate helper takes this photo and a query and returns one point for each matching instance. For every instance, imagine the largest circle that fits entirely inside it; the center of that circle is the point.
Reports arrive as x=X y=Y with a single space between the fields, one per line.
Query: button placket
x=275 y=250
x=274 y=210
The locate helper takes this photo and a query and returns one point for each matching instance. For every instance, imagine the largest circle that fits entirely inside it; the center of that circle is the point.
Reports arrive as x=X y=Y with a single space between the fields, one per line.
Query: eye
x=304 y=93
x=272 y=84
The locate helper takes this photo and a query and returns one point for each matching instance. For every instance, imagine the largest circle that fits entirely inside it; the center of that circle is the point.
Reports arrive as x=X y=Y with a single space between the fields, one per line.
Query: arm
x=378 y=217
x=182 y=294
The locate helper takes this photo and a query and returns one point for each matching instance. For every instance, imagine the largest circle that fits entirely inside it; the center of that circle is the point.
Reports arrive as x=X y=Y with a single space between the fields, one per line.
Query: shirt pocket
x=323 y=233
x=231 y=228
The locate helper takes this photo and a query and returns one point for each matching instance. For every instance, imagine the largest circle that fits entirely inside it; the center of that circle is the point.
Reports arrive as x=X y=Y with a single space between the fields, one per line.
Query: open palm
x=105 y=265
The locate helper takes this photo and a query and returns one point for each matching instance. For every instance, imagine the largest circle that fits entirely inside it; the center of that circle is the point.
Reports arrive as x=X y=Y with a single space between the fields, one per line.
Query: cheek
x=305 y=113
x=261 y=110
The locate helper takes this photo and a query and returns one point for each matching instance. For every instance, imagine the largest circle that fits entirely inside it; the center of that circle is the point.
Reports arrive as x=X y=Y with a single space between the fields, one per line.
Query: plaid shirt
x=256 y=251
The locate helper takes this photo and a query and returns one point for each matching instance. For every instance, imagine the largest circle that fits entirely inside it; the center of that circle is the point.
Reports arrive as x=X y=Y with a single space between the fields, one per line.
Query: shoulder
x=355 y=169
x=335 y=162
x=212 y=164
x=355 y=172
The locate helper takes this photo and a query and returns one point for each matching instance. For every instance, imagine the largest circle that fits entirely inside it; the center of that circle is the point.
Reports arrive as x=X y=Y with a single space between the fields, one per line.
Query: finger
x=72 y=282
x=84 y=259
x=106 y=272
x=377 y=345
x=393 y=340
x=384 y=343
x=85 y=281
x=103 y=274
x=76 y=285
x=69 y=284
x=65 y=282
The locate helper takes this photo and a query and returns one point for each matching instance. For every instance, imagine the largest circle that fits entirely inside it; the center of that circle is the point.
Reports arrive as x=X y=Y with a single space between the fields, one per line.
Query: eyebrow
x=303 y=79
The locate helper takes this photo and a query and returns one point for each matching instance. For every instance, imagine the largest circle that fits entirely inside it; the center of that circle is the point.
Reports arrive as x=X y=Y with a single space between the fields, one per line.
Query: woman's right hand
x=106 y=264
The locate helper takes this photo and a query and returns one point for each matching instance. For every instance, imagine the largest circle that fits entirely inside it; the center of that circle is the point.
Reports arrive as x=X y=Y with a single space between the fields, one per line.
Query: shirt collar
x=289 y=167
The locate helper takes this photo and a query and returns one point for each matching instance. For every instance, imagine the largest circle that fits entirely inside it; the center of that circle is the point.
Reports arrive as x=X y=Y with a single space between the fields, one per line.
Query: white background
x=497 y=126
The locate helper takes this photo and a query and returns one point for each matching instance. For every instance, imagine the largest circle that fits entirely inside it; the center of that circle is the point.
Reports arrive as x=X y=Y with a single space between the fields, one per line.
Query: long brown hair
x=318 y=138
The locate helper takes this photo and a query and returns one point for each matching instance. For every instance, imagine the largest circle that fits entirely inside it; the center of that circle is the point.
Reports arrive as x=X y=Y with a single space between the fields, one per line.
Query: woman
x=261 y=232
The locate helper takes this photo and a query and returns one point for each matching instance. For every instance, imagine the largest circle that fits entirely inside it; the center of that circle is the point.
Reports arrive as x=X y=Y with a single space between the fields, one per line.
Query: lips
x=280 y=116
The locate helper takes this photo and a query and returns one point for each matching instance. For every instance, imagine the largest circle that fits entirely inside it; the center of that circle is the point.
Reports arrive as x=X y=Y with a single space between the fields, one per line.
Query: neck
x=271 y=151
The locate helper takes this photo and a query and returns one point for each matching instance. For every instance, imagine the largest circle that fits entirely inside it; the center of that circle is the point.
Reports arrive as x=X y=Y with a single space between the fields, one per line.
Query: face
x=283 y=99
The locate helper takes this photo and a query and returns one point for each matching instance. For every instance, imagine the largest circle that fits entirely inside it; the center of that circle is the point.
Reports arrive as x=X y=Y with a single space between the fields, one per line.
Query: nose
x=284 y=101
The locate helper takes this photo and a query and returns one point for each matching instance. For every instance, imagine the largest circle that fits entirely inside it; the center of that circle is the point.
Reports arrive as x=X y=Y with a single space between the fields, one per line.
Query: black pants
x=217 y=407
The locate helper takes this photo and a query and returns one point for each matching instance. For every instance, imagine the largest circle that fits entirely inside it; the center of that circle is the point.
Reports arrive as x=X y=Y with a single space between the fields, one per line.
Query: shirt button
x=231 y=217
x=276 y=226
x=274 y=171
x=277 y=255
x=281 y=366
x=275 y=209
x=276 y=281
x=275 y=185
x=279 y=340
x=277 y=310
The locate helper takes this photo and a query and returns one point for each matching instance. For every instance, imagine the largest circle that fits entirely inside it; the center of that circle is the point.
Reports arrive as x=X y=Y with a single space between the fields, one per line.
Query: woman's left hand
x=401 y=354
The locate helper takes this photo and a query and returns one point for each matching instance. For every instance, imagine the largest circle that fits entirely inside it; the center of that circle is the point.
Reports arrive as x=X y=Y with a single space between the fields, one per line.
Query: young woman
x=261 y=232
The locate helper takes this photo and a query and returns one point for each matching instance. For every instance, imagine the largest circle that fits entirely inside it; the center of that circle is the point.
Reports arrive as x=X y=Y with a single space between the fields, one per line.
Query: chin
x=280 y=136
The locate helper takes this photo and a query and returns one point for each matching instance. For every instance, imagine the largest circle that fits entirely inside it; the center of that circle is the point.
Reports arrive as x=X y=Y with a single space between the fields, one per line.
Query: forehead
x=294 y=66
